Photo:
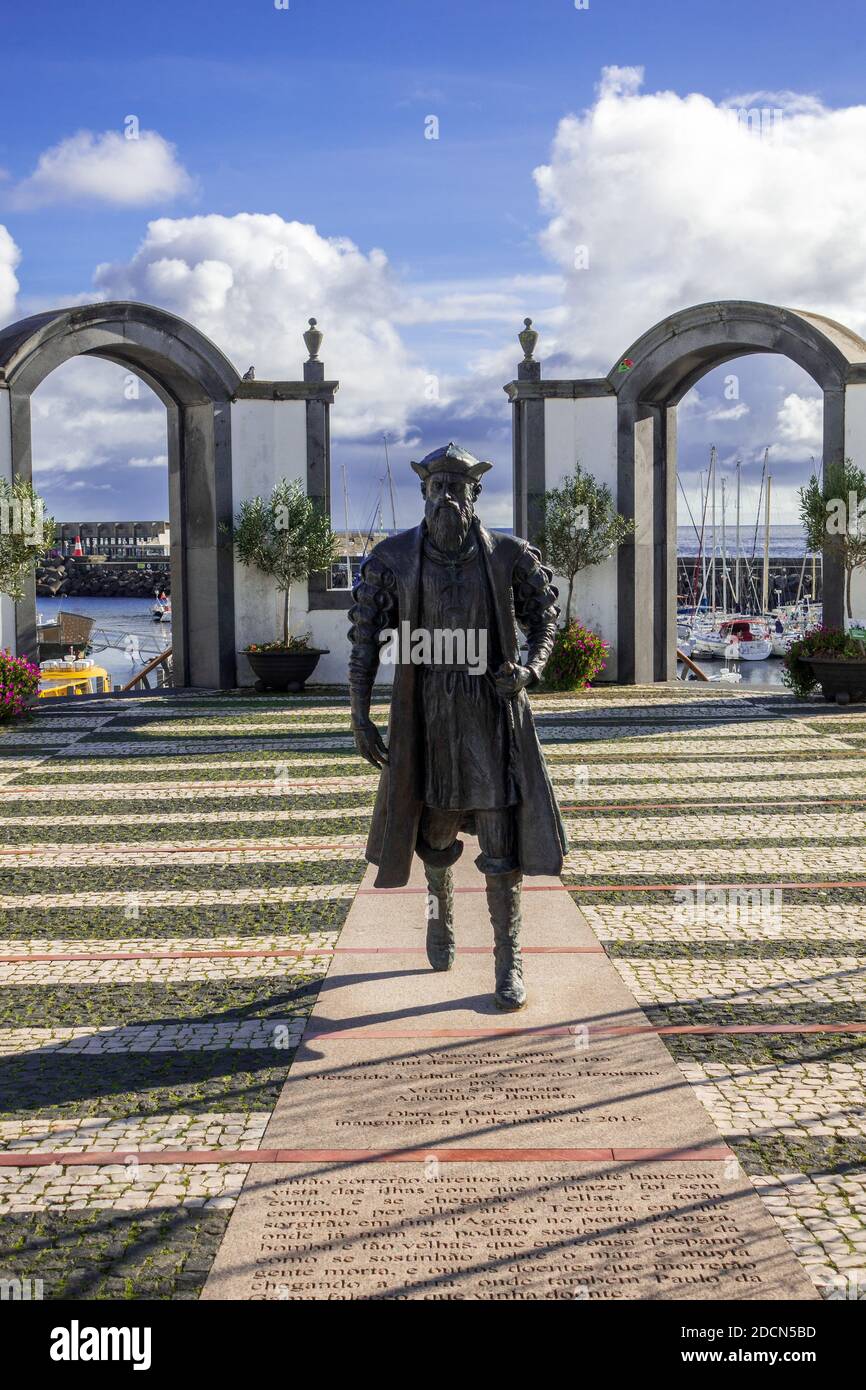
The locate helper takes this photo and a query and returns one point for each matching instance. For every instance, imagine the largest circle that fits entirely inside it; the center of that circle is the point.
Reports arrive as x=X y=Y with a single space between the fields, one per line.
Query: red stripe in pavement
x=103 y=1157
x=546 y=1030
x=160 y=955
x=155 y=850
x=638 y=805
x=648 y=887
x=741 y=1028
x=593 y=1030
x=469 y=950
x=635 y=887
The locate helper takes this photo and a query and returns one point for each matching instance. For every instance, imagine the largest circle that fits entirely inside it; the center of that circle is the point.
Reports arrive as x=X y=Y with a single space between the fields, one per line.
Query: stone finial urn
x=313 y=339
x=528 y=339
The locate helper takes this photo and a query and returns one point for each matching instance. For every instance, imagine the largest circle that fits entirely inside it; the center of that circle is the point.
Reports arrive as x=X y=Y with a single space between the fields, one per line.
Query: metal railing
x=160 y=663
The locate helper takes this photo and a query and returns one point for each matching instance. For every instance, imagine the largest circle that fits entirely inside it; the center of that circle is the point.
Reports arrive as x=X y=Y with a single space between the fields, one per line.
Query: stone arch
x=196 y=383
x=663 y=365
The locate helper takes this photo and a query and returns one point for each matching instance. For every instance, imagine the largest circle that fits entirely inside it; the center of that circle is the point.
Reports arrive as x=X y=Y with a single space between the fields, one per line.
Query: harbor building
x=115 y=540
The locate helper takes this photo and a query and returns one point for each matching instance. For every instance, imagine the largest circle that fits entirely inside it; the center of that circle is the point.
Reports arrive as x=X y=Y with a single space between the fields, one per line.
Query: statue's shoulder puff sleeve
x=535 y=594
x=375 y=600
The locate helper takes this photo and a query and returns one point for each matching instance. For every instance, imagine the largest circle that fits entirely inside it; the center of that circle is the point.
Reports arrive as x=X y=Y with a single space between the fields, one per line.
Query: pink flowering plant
x=19 y=683
x=578 y=656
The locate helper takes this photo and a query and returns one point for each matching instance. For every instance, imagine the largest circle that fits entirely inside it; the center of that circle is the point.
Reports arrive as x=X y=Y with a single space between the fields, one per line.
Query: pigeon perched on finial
x=249 y=374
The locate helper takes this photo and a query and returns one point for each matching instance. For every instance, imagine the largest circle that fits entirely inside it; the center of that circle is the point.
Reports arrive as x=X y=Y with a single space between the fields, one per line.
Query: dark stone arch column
x=197 y=384
x=833 y=565
x=650 y=380
x=637 y=447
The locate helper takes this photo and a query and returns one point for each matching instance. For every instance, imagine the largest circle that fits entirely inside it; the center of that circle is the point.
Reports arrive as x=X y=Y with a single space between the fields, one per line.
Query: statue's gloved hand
x=370 y=744
x=510 y=679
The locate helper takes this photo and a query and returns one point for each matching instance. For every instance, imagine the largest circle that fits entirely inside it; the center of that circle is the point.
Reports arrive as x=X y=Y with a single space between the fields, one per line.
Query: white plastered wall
x=330 y=629
x=855 y=449
x=585 y=429
x=7 y=607
x=269 y=441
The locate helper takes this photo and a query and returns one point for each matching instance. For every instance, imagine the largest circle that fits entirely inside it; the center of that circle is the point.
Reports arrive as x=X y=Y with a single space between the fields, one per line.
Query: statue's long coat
x=512 y=569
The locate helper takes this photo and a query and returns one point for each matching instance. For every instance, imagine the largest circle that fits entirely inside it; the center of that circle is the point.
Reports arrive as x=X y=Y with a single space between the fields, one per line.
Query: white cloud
x=674 y=205
x=799 y=426
x=106 y=168
x=788 y=102
x=9 y=258
x=252 y=281
x=728 y=412
x=677 y=204
x=151 y=461
x=83 y=423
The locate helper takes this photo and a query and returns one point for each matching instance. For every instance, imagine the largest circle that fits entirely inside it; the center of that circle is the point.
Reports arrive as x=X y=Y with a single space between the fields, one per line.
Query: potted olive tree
x=580 y=527
x=26 y=534
x=830 y=514
x=287 y=537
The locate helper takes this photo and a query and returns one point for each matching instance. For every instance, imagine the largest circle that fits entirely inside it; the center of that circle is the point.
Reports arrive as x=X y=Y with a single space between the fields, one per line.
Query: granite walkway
x=427 y=1146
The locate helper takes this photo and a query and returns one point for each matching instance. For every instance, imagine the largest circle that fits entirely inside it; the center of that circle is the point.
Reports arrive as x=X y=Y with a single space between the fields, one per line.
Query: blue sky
x=317 y=113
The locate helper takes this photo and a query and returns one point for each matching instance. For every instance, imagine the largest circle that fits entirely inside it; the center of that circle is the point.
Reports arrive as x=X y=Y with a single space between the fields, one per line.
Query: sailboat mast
x=346 y=515
x=702 y=547
x=737 y=560
x=713 y=526
x=390 y=484
x=751 y=565
x=724 y=554
x=766 y=591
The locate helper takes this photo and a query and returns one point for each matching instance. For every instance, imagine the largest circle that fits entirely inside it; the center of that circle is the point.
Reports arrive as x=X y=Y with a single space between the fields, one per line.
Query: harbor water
x=120 y=618
x=767 y=672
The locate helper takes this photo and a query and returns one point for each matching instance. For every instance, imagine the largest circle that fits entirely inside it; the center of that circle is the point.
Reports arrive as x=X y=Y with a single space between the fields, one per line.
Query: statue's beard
x=448 y=524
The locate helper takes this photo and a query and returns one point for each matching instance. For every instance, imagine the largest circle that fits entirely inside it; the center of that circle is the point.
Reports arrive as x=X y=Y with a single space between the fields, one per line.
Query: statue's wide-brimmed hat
x=451 y=459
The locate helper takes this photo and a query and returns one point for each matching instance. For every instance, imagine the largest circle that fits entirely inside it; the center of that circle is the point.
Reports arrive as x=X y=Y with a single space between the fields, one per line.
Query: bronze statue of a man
x=462 y=753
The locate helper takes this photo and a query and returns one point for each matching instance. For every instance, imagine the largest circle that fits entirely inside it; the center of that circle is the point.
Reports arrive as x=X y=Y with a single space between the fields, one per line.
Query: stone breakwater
x=110 y=580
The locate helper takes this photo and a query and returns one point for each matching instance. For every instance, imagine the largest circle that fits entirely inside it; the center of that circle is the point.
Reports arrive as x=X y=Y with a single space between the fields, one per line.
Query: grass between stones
x=151 y=1001
x=205 y=921
x=116 y=1255
x=188 y=878
x=794 y=893
x=181 y=832
x=727 y=950
x=66 y=1085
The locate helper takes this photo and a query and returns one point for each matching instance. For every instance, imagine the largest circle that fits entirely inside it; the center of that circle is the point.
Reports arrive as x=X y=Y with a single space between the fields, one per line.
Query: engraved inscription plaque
x=438 y=1230
x=530 y=1091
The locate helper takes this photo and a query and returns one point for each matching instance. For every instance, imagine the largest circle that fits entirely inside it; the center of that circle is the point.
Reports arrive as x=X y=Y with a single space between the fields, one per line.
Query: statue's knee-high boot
x=440 y=917
x=503 y=900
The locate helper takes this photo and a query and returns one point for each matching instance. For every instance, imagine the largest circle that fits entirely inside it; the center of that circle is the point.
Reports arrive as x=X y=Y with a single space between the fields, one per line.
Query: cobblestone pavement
x=124 y=1186
x=823 y=1219
x=157 y=828
x=216 y=1131
x=725 y=878
x=745 y=980
x=810 y=1099
x=140 y=900
x=154 y=1037
x=129 y=945
x=728 y=921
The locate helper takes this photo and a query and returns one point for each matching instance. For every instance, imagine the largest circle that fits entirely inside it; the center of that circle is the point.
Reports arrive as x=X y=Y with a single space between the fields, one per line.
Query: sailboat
x=734 y=636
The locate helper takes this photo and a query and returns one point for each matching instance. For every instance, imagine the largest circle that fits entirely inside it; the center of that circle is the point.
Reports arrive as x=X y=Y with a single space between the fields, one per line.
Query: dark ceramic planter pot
x=284 y=670
x=841 y=680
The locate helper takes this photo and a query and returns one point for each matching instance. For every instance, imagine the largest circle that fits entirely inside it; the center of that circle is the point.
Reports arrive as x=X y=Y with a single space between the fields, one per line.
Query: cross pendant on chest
x=452 y=592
